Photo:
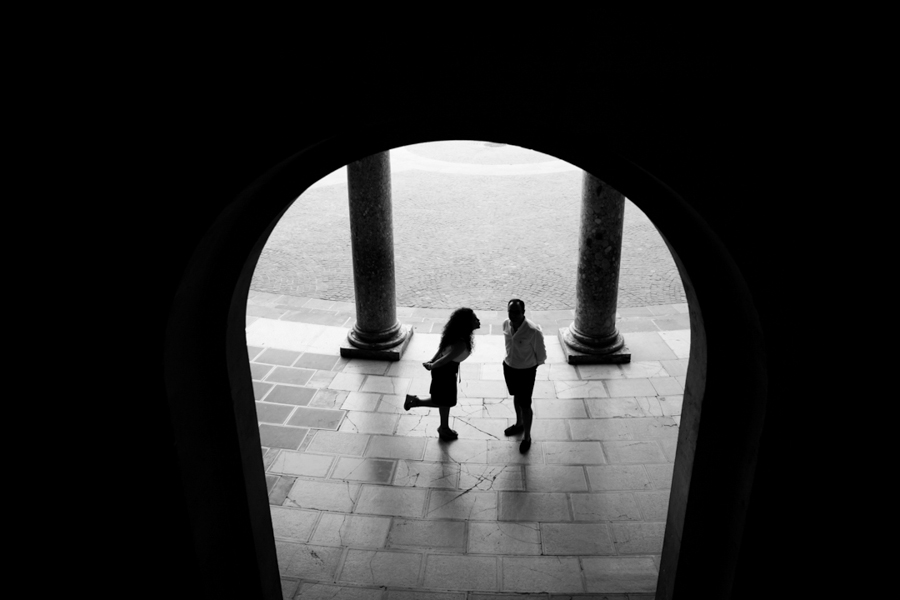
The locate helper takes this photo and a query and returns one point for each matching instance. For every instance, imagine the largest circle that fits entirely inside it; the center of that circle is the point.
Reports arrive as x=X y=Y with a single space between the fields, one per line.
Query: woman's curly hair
x=459 y=327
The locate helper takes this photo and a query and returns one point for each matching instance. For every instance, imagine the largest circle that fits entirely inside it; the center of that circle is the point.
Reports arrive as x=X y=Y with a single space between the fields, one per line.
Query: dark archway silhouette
x=211 y=399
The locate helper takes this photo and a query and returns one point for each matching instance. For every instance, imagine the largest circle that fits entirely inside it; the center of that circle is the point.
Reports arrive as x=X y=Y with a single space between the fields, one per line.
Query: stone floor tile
x=619 y=574
x=559 y=409
x=666 y=386
x=541 y=573
x=386 y=385
x=660 y=475
x=289 y=587
x=671 y=405
x=423 y=595
x=291 y=394
x=555 y=478
x=618 y=478
x=638 y=538
x=370 y=470
x=580 y=389
x=652 y=428
x=289 y=375
x=650 y=346
x=259 y=371
x=278 y=491
x=561 y=372
x=479 y=429
x=274 y=356
x=328 y=591
x=322 y=495
x=298 y=463
x=654 y=505
x=272 y=413
x=254 y=351
x=573 y=453
x=415 y=473
x=630 y=387
x=269 y=456
x=626 y=326
x=605 y=506
x=491 y=477
x=365 y=422
x=409 y=369
x=615 y=408
x=281 y=436
x=366 y=367
x=311 y=360
x=459 y=451
x=382 y=446
x=398 y=502
x=633 y=452
x=381 y=567
x=483 y=389
x=650 y=405
x=309 y=562
x=588 y=372
x=679 y=341
x=392 y=403
x=364 y=401
x=321 y=379
x=350 y=382
x=544 y=389
x=419 y=423
x=316 y=418
x=357 y=531
x=338 y=442
x=643 y=369
x=576 y=538
x=293 y=524
x=444 y=571
x=675 y=368
x=470 y=370
x=600 y=429
x=420 y=387
x=499 y=408
x=669 y=444
x=548 y=429
x=506 y=451
x=325 y=398
x=449 y=536
x=463 y=505
x=492 y=371
x=534 y=506
x=504 y=538
x=261 y=389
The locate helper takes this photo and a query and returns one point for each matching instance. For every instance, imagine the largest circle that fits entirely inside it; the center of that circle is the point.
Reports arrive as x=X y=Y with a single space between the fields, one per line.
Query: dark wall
x=669 y=122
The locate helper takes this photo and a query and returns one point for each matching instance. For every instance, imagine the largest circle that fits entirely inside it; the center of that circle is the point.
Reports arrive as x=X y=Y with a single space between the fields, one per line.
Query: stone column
x=593 y=337
x=377 y=333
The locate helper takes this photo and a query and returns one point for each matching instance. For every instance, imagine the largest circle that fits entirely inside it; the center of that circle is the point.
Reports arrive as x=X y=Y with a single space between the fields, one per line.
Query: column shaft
x=594 y=331
x=372 y=242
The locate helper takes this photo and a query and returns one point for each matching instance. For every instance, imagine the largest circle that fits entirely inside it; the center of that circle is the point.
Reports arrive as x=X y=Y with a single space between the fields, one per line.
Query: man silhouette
x=525 y=351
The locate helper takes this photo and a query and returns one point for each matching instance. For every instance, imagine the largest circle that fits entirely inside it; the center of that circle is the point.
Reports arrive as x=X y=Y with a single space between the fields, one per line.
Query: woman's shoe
x=410 y=401
x=524 y=446
x=513 y=430
x=447 y=434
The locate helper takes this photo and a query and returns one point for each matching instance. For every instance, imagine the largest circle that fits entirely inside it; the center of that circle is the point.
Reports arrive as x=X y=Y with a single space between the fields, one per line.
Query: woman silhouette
x=455 y=346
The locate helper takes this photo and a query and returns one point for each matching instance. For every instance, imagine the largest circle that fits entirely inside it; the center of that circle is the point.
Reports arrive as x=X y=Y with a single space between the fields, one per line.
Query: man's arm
x=540 y=351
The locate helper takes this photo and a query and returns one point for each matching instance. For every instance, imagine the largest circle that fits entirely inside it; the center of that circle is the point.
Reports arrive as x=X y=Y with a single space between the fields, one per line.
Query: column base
x=576 y=357
x=393 y=353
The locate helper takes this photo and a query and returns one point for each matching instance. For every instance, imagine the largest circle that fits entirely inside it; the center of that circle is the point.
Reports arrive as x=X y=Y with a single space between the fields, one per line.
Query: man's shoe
x=513 y=430
x=409 y=402
x=524 y=446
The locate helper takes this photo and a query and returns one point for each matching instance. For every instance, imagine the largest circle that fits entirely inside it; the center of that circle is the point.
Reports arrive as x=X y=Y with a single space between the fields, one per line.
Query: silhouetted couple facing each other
x=525 y=351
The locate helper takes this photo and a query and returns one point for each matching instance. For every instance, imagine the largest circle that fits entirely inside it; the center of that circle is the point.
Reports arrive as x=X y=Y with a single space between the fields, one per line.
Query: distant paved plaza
x=474 y=225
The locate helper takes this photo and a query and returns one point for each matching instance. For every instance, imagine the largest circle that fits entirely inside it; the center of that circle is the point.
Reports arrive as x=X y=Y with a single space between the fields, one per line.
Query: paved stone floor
x=475 y=224
x=368 y=503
